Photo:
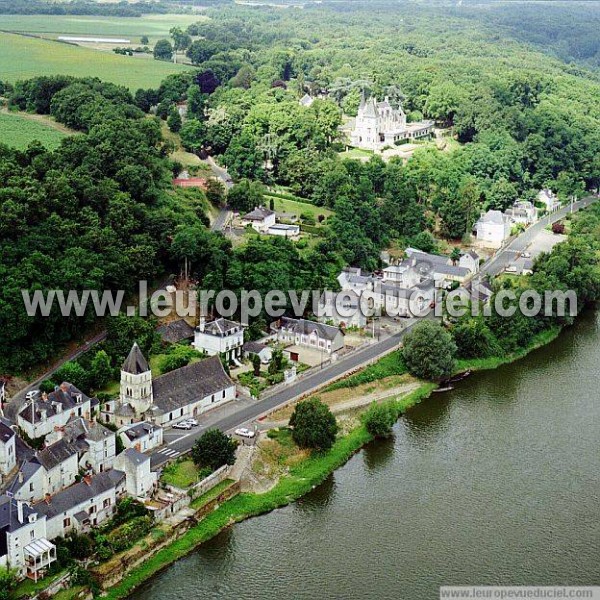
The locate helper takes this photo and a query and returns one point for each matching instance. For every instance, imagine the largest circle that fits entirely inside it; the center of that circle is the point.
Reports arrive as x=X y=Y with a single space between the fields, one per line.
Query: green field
x=18 y=132
x=154 y=26
x=26 y=57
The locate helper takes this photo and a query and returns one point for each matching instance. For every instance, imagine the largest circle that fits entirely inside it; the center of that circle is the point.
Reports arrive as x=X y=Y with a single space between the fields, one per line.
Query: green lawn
x=18 y=132
x=297 y=208
x=181 y=474
x=133 y=28
x=356 y=153
x=211 y=494
x=25 y=57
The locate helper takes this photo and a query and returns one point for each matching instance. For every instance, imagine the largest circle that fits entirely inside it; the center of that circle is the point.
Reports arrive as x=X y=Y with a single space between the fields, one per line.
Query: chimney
x=43 y=413
x=202 y=325
x=20 y=476
x=20 y=511
x=88 y=480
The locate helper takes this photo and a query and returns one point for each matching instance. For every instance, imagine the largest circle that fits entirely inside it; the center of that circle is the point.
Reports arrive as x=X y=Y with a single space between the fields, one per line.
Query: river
x=494 y=483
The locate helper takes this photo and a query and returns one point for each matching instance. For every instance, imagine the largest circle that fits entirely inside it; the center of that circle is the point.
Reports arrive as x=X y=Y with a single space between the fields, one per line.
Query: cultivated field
x=52 y=26
x=18 y=131
x=24 y=57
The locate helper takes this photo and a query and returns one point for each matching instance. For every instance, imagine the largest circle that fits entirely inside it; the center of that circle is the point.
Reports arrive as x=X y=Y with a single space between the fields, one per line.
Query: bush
x=313 y=425
x=380 y=419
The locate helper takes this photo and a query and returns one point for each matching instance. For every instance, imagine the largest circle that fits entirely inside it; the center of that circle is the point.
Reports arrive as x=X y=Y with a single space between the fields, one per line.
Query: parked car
x=243 y=432
x=192 y=422
x=526 y=254
x=182 y=425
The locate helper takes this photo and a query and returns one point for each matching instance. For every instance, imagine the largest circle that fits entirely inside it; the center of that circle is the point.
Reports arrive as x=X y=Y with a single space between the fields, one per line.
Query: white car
x=182 y=425
x=192 y=422
x=243 y=432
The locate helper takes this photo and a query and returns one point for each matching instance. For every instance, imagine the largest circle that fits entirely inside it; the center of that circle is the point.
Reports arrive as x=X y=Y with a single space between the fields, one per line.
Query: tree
x=174 y=120
x=214 y=449
x=380 y=419
x=192 y=134
x=8 y=582
x=313 y=425
x=215 y=191
x=558 y=228
x=256 y=364
x=429 y=351
x=72 y=372
x=163 y=50
x=455 y=255
x=144 y=40
x=101 y=371
x=178 y=356
x=181 y=40
x=246 y=195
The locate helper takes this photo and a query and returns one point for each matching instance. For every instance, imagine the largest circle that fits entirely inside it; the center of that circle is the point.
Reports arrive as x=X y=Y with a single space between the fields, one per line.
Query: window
x=31 y=487
x=223 y=393
x=92 y=509
x=67 y=523
x=106 y=502
x=32 y=534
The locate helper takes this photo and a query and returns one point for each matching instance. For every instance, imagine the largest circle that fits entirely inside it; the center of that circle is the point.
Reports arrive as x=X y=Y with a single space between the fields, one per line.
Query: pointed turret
x=135 y=363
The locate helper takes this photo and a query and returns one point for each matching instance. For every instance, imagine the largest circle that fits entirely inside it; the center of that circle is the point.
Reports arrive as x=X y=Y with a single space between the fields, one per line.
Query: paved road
x=221 y=220
x=220 y=172
x=249 y=412
x=505 y=256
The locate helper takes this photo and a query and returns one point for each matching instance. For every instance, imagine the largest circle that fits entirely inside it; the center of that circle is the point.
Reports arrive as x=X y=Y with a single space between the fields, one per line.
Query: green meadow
x=18 y=132
x=25 y=57
x=153 y=26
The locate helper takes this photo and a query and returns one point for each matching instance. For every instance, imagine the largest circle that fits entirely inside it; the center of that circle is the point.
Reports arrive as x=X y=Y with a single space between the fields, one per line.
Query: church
x=379 y=124
x=178 y=394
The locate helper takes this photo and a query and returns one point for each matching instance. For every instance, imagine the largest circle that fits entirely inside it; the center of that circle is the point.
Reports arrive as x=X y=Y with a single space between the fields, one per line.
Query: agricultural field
x=25 y=57
x=52 y=26
x=19 y=131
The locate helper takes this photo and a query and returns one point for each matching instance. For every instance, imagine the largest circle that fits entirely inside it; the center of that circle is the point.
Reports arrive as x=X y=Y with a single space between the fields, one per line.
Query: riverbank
x=303 y=477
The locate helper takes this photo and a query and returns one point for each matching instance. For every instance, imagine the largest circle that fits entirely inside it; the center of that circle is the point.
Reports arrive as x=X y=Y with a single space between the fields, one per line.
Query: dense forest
x=99 y=212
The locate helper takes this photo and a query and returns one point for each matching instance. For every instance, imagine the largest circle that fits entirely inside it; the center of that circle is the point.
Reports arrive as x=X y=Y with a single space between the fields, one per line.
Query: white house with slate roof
x=142 y=436
x=310 y=334
x=220 y=336
x=470 y=260
x=8 y=450
x=43 y=413
x=184 y=392
x=260 y=219
x=23 y=539
x=83 y=505
x=140 y=480
x=493 y=228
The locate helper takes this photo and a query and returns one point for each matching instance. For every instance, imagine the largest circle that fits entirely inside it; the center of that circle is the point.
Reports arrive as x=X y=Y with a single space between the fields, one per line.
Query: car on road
x=525 y=254
x=192 y=422
x=182 y=425
x=244 y=432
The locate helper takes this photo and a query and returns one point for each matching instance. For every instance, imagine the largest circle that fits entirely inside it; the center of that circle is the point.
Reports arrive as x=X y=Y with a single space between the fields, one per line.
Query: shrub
x=214 y=449
x=380 y=419
x=429 y=351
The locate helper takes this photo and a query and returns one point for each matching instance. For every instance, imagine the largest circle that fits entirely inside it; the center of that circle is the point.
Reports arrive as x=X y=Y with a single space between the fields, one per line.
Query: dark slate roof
x=6 y=433
x=64 y=398
x=175 y=331
x=135 y=363
x=221 y=327
x=436 y=259
x=8 y=515
x=139 y=430
x=260 y=213
x=189 y=384
x=254 y=347
x=135 y=457
x=56 y=453
x=302 y=326
x=26 y=472
x=451 y=270
x=79 y=493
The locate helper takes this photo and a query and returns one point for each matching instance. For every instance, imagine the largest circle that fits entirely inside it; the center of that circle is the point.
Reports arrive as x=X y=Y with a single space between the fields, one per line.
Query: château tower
x=136 y=381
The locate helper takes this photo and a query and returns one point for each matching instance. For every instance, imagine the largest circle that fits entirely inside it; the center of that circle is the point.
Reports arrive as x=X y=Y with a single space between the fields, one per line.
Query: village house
x=142 y=436
x=219 y=337
x=8 y=450
x=352 y=278
x=84 y=505
x=470 y=260
x=260 y=219
x=403 y=275
x=45 y=412
x=523 y=212
x=379 y=124
x=341 y=309
x=446 y=275
x=264 y=352
x=23 y=539
x=493 y=229
x=549 y=199
x=140 y=480
x=184 y=392
x=302 y=332
x=393 y=300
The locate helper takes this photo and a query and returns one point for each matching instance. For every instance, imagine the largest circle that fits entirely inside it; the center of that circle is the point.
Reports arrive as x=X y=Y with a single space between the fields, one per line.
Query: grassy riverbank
x=301 y=480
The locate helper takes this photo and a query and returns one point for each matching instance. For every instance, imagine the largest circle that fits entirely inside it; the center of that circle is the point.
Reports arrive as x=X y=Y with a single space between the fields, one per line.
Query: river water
x=494 y=483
